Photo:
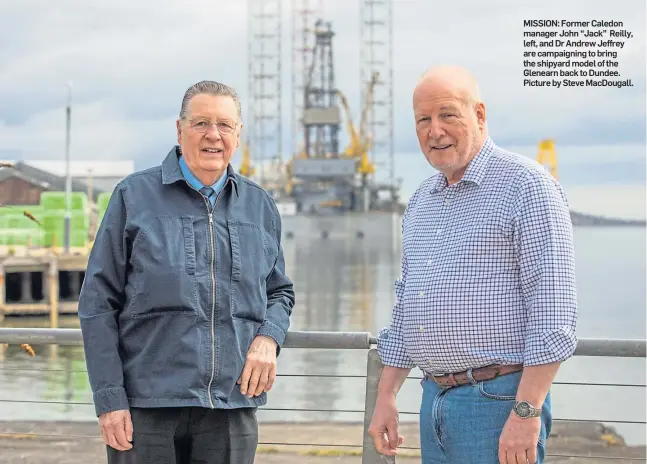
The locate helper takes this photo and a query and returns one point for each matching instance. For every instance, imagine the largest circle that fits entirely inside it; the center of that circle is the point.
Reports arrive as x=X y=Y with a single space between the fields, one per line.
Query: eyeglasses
x=202 y=125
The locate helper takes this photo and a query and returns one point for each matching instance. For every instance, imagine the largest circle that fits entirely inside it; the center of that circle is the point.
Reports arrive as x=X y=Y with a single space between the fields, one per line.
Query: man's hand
x=260 y=367
x=117 y=429
x=518 y=441
x=384 y=426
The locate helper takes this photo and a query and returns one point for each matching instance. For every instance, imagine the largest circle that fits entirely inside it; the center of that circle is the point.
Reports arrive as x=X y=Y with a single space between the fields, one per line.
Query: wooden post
x=25 y=287
x=3 y=288
x=45 y=285
x=75 y=284
x=53 y=292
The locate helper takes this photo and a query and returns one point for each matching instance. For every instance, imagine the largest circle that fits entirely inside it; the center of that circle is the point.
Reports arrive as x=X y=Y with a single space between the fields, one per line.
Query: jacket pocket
x=252 y=261
x=235 y=353
x=164 y=262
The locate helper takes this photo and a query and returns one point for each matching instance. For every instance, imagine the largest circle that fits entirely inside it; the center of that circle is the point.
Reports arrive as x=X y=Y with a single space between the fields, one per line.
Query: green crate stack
x=19 y=221
x=56 y=201
x=17 y=209
x=79 y=229
x=18 y=229
x=54 y=228
x=102 y=205
x=53 y=203
x=4 y=232
x=22 y=237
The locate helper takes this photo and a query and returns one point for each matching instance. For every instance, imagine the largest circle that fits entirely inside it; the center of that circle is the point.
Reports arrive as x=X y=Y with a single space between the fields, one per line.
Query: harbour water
x=347 y=285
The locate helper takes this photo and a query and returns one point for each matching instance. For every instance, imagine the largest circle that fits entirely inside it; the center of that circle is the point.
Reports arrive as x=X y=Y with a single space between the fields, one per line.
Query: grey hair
x=209 y=87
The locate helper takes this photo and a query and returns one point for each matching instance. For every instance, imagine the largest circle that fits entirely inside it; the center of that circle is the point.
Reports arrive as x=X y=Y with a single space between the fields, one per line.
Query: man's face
x=449 y=130
x=209 y=135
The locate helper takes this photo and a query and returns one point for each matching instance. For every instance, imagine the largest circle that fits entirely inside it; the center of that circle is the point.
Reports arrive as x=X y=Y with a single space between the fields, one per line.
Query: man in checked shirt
x=486 y=301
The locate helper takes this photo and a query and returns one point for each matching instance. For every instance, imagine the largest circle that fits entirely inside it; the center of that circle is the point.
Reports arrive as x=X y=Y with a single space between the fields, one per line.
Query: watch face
x=523 y=409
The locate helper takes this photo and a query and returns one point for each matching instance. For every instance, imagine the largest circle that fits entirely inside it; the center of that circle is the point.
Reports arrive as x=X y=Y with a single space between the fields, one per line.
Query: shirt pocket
x=252 y=257
x=164 y=264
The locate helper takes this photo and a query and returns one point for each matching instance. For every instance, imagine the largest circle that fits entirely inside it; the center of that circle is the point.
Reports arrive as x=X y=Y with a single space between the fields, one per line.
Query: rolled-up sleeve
x=390 y=341
x=543 y=237
x=100 y=301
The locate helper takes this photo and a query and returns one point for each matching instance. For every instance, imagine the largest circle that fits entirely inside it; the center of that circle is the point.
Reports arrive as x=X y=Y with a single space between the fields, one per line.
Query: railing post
x=2 y=291
x=53 y=292
x=373 y=371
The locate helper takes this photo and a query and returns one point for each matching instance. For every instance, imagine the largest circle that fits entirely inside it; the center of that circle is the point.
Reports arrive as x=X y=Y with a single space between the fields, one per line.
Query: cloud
x=91 y=138
x=130 y=63
x=487 y=37
x=135 y=56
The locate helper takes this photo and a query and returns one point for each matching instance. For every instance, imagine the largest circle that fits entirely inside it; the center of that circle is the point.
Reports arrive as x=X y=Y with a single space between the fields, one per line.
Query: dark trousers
x=190 y=436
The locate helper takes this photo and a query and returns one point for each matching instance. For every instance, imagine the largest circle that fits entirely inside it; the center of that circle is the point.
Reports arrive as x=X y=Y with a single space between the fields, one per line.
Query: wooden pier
x=41 y=283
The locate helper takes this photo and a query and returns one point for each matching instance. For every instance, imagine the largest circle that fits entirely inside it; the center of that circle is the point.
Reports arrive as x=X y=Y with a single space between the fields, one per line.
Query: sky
x=130 y=63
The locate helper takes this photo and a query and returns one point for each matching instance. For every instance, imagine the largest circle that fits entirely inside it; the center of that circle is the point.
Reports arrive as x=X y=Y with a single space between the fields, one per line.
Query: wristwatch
x=525 y=410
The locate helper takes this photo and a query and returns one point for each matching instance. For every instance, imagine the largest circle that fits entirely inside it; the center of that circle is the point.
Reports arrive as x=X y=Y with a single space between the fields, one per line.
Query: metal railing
x=346 y=341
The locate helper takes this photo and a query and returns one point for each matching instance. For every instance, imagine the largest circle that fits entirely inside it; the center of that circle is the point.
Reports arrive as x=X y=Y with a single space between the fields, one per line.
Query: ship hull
x=373 y=226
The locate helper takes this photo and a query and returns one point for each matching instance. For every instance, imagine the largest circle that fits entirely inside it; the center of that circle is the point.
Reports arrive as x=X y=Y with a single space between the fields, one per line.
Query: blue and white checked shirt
x=488 y=270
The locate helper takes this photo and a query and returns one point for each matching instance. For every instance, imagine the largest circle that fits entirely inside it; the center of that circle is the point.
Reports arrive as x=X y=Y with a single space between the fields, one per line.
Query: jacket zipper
x=213 y=301
x=213 y=292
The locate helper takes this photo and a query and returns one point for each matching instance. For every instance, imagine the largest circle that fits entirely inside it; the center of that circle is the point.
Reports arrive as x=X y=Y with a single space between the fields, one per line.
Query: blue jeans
x=463 y=424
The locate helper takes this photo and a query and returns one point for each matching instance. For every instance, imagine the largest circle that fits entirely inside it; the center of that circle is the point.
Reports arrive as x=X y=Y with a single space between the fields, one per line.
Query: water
x=347 y=285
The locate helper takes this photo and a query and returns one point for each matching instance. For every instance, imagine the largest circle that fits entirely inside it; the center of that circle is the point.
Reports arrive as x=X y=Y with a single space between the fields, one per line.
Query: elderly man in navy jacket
x=185 y=303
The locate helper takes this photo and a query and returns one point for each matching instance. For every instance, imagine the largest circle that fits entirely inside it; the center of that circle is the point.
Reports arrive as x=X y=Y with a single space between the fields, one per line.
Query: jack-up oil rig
x=324 y=188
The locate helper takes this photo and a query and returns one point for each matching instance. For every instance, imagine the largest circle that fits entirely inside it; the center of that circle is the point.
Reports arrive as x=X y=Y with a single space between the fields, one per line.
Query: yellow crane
x=289 y=183
x=355 y=146
x=547 y=156
x=246 y=169
x=359 y=144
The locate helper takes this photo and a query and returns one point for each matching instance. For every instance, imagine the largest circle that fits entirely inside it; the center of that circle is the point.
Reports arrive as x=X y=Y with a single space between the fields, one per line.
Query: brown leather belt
x=480 y=374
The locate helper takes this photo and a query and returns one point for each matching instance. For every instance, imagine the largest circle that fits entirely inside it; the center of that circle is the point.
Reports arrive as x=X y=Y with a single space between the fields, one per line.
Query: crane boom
x=246 y=169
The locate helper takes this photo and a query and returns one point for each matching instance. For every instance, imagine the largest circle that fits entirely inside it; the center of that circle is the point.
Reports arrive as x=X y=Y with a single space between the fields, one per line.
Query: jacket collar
x=171 y=171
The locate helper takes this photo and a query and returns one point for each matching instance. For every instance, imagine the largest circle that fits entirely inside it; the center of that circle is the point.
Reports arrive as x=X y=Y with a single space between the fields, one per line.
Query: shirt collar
x=475 y=171
x=195 y=182
x=172 y=171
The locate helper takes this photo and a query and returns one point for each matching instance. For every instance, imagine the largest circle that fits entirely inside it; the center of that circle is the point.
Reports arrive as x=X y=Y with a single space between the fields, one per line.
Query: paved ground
x=78 y=443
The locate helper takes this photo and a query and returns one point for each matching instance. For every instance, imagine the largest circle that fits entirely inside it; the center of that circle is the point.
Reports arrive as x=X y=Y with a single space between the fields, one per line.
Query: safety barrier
x=351 y=341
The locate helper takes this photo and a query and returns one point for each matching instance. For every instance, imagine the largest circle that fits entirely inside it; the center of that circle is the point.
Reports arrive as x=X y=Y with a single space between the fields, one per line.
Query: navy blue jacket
x=174 y=295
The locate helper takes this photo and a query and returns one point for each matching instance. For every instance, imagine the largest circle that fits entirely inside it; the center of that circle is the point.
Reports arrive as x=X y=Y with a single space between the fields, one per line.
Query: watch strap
x=525 y=410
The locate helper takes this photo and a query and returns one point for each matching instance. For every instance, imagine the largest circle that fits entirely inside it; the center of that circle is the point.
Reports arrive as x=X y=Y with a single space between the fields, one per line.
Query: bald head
x=453 y=79
x=450 y=119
